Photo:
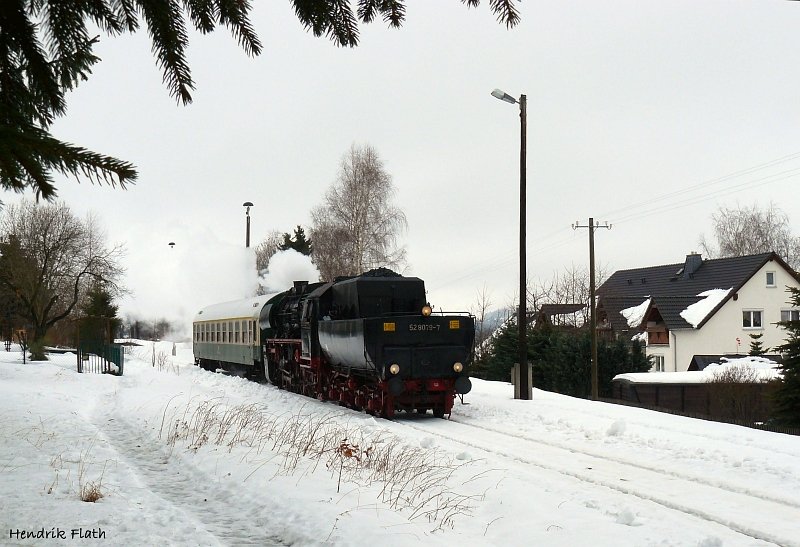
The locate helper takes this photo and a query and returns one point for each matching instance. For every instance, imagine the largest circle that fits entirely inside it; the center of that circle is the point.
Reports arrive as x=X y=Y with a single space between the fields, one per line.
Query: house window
x=790 y=315
x=751 y=319
x=658 y=363
x=771 y=279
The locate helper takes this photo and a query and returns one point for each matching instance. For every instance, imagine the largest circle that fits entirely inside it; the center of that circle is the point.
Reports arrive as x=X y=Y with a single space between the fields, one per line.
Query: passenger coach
x=227 y=336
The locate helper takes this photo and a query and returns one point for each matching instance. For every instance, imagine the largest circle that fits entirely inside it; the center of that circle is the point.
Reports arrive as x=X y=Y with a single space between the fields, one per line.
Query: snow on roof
x=697 y=312
x=635 y=315
x=246 y=308
x=763 y=369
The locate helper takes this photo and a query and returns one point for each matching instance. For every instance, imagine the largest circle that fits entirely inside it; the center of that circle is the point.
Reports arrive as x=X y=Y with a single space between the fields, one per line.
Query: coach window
x=236 y=328
x=246 y=326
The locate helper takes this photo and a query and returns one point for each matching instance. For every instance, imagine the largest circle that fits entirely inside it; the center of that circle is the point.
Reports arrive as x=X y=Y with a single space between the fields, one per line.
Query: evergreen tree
x=756 y=346
x=46 y=50
x=298 y=242
x=786 y=409
x=562 y=359
x=99 y=304
x=504 y=353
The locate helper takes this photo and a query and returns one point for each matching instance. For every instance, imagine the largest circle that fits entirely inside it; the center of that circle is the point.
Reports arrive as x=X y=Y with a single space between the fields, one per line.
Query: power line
x=657 y=204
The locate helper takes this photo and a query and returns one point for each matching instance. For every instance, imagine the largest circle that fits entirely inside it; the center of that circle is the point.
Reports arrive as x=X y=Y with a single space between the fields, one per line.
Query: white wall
x=719 y=334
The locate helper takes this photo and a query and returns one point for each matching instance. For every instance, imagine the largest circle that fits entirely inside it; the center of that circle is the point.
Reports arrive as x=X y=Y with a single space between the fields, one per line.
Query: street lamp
x=247 y=204
x=524 y=387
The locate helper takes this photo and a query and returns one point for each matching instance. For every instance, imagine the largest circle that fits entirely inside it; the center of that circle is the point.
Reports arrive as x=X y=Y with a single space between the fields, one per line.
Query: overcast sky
x=637 y=113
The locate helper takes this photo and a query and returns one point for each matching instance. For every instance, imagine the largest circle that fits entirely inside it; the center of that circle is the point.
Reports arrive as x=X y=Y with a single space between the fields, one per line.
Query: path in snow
x=208 y=511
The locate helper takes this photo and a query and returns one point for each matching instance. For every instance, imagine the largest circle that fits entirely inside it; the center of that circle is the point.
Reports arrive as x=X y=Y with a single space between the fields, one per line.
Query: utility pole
x=592 y=319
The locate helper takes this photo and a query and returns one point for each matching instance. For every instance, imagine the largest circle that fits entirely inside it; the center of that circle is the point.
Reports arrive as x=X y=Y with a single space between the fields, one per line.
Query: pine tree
x=100 y=305
x=298 y=242
x=756 y=347
x=786 y=409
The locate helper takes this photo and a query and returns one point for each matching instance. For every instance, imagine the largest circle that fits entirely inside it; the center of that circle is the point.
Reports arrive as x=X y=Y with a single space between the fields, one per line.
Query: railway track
x=736 y=507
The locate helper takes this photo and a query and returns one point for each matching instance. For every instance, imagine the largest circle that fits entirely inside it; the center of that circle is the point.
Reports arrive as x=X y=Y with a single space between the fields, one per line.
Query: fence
x=739 y=404
x=101 y=358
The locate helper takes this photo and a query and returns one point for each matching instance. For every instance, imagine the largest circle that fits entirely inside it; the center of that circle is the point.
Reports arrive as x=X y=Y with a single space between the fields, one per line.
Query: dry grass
x=89 y=490
x=409 y=479
x=160 y=360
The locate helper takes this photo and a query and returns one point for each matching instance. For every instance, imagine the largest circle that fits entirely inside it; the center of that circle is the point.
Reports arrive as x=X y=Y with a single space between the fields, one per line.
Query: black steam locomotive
x=369 y=342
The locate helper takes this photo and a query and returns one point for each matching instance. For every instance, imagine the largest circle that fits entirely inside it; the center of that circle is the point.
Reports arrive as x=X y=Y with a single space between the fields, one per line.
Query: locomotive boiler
x=369 y=342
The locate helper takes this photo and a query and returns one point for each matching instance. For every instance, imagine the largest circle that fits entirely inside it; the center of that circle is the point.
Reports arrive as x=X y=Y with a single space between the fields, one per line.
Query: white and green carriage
x=227 y=336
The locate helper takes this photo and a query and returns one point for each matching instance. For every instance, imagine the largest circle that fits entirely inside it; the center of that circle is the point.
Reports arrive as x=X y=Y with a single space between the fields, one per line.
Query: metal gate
x=95 y=352
x=105 y=359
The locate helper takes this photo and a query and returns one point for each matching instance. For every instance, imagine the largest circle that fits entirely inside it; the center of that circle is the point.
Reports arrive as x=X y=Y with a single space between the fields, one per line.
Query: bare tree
x=571 y=286
x=357 y=227
x=268 y=247
x=49 y=257
x=751 y=230
x=480 y=310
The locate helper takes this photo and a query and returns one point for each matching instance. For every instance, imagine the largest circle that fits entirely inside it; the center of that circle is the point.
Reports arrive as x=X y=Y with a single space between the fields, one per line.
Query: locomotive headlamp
x=426 y=310
x=394 y=368
x=458 y=367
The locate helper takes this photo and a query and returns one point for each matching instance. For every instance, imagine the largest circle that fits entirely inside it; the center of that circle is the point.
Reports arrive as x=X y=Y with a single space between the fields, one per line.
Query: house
x=559 y=316
x=699 y=307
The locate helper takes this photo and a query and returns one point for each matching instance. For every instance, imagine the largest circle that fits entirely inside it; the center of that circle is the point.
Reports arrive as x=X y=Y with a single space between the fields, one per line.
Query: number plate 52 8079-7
x=419 y=328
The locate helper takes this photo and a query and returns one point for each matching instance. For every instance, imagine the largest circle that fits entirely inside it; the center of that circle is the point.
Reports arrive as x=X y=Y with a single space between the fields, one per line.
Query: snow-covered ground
x=183 y=456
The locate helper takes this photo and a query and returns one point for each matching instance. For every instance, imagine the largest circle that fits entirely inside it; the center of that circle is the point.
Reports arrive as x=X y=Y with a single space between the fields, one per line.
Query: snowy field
x=182 y=456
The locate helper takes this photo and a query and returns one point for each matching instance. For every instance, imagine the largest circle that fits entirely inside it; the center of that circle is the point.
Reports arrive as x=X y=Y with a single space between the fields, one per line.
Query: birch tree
x=752 y=230
x=357 y=228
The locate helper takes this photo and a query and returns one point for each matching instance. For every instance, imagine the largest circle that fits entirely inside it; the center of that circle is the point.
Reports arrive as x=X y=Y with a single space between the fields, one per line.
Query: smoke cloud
x=286 y=267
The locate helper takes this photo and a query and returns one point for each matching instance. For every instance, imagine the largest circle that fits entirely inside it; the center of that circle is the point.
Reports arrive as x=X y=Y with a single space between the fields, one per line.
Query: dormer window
x=771 y=279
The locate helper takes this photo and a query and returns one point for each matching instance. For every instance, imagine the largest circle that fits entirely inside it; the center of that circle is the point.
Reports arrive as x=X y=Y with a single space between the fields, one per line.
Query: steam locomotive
x=370 y=342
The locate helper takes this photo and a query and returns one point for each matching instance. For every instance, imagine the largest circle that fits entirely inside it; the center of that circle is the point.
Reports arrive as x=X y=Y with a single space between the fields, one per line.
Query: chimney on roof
x=693 y=263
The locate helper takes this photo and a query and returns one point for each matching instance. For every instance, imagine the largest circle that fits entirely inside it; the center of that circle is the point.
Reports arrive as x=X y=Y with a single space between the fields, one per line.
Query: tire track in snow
x=694 y=478
x=736 y=510
x=221 y=512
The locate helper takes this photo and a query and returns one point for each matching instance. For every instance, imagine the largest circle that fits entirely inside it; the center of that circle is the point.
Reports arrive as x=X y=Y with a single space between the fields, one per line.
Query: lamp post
x=247 y=204
x=524 y=387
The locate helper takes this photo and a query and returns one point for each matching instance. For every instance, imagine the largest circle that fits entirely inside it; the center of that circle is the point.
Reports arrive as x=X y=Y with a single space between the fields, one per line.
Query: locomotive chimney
x=299 y=286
